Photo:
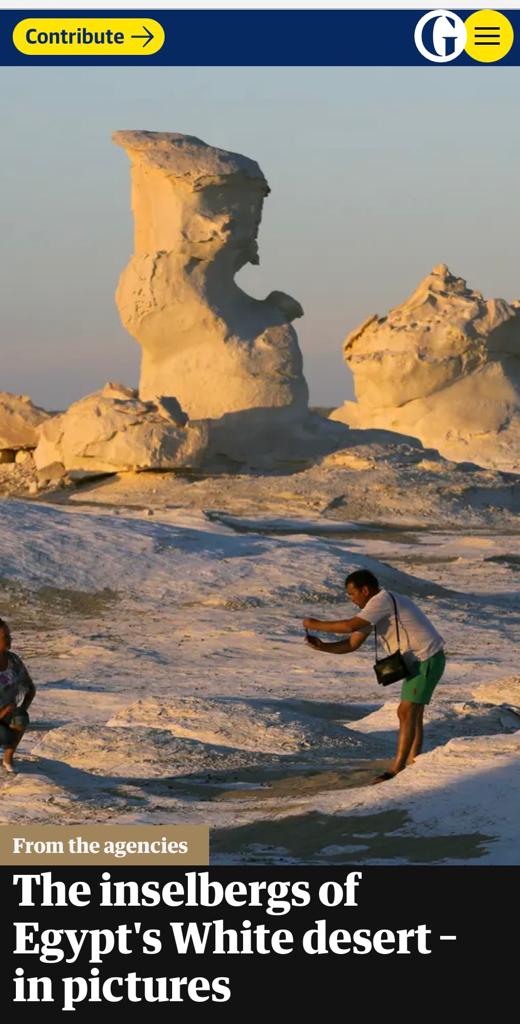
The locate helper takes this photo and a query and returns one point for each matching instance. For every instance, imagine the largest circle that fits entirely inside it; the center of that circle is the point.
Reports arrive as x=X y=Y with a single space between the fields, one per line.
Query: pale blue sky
x=376 y=175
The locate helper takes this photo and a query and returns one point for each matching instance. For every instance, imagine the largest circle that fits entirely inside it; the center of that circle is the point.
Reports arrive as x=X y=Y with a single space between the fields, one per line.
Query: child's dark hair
x=4 y=628
x=362 y=578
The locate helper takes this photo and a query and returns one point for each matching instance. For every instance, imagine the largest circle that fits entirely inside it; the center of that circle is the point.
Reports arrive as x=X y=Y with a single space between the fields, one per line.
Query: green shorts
x=419 y=688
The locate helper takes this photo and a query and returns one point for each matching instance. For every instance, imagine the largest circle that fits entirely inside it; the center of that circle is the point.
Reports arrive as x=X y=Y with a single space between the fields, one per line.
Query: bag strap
x=396 y=620
x=396 y=625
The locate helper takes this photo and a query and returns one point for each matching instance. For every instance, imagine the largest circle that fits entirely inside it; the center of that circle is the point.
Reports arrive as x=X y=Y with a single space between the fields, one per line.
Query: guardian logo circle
x=440 y=36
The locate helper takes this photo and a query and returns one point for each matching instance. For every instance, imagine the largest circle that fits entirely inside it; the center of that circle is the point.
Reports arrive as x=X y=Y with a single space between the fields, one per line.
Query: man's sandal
x=384 y=777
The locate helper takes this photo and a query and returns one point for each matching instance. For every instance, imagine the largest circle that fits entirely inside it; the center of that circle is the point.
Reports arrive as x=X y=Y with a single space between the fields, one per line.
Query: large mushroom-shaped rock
x=444 y=367
x=113 y=431
x=197 y=210
x=19 y=420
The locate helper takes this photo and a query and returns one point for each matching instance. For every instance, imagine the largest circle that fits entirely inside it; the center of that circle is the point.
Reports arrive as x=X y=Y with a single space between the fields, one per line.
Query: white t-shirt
x=418 y=638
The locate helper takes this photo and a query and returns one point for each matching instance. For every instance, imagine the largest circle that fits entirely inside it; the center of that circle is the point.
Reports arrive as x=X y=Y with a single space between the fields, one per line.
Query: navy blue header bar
x=261 y=38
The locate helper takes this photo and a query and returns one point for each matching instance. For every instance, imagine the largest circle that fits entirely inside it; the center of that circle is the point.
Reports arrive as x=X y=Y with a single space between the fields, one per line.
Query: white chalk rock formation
x=19 y=420
x=197 y=211
x=443 y=367
x=113 y=431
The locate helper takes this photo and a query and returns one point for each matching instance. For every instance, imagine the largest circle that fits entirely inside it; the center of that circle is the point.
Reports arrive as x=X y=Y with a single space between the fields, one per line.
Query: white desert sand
x=174 y=685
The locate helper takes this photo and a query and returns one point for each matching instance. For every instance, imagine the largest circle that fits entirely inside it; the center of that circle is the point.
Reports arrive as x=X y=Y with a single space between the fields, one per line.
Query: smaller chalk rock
x=23 y=457
x=19 y=420
x=112 y=431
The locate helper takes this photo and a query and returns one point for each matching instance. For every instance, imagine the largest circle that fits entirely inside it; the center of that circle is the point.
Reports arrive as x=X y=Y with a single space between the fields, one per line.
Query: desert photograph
x=260 y=402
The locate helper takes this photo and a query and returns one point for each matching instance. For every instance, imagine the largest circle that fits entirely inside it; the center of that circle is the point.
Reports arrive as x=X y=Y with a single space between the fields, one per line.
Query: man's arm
x=339 y=626
x=340 y=646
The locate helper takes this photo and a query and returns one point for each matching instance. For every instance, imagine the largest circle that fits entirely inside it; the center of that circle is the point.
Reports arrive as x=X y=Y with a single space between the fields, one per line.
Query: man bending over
x=420 y=644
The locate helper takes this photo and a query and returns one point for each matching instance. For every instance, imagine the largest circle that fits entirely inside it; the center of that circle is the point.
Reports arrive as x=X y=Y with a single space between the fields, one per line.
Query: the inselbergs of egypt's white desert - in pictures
x=161 y=546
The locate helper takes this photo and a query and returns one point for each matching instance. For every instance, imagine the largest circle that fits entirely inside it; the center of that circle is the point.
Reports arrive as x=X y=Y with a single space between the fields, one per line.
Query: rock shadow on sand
x=317 y=838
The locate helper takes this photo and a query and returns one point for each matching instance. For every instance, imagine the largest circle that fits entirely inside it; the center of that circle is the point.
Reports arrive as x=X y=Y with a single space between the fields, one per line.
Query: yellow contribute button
x=85 y=37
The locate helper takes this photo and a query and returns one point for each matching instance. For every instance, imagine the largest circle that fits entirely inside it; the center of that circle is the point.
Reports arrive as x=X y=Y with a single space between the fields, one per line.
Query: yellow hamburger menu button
x=86 y=37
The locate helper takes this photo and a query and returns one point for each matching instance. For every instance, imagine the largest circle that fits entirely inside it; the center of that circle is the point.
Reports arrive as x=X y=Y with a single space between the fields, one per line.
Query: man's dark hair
x=362 y=578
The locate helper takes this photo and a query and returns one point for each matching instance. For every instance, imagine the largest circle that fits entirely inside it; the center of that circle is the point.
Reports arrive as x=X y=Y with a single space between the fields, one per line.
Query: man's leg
x=416 y=747
x=420 y=689
x=409 y=715
x=410 y=737
x=416 y=692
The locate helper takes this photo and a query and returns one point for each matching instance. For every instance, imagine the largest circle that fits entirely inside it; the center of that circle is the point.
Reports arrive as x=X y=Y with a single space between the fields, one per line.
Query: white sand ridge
x=256 y=725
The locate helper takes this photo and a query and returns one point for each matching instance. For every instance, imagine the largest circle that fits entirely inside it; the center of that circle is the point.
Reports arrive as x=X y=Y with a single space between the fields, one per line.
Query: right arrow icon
x=148 y=36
